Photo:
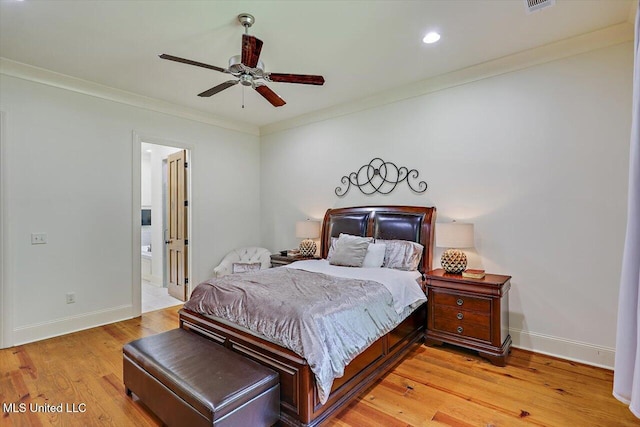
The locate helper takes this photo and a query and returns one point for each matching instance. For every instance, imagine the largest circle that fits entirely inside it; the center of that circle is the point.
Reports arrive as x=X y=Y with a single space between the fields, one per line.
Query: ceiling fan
x=249 y=70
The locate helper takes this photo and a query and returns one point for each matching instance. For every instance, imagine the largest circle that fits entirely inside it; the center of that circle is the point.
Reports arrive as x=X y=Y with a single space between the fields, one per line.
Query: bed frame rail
x=300 y=405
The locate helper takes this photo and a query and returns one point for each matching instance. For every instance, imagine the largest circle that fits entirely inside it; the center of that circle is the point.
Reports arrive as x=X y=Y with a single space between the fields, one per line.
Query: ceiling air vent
x=535 y=5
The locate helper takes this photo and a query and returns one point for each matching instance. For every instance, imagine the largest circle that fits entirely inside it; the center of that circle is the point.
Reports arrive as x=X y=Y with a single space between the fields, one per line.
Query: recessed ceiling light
x=148 y=151
x=431 y=37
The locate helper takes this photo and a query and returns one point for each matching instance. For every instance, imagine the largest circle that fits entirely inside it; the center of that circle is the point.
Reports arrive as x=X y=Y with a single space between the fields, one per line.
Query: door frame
x=136 y=206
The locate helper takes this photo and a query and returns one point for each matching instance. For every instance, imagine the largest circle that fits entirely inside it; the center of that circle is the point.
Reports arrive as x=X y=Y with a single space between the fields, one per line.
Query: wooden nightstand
x=471 y=313
x=277 y=260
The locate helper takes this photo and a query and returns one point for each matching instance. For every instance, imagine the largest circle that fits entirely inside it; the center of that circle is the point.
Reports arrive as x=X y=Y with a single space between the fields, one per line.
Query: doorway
x=164 y=225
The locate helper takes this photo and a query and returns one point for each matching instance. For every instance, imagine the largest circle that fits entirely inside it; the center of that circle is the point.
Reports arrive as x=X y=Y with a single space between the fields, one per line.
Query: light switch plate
x=38 y=238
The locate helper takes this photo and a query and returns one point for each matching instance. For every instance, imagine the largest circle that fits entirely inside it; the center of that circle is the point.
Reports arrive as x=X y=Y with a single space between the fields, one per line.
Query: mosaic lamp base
x=453 y=261
x=308 y=248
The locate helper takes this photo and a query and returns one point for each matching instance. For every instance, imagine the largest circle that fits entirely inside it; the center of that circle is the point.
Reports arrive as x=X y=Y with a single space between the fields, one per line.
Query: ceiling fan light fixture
x=246 y=80
x=431 y=37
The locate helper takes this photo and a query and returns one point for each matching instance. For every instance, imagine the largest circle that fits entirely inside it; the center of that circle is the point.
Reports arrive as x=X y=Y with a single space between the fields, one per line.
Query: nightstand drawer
x=465 y=329
x=447 y=312
x=462 y=301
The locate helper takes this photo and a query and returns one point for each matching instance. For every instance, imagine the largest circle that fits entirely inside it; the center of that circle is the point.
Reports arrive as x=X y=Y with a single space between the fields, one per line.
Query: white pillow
x=332 y=247
x=375 y=255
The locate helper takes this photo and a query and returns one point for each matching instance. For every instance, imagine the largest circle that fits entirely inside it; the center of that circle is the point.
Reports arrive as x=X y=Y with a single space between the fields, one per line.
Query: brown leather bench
x=188 y=380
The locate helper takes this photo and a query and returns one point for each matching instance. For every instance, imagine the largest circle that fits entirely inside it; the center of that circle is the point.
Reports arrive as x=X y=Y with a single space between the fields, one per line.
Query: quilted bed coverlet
x=328 y=320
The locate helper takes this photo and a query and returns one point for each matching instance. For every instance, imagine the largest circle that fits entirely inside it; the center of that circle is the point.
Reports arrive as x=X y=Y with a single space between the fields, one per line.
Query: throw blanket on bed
x=325 y=319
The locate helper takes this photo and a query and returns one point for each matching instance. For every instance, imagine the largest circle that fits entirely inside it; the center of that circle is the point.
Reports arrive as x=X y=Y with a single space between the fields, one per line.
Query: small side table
x=471 y=313
x=278 y=260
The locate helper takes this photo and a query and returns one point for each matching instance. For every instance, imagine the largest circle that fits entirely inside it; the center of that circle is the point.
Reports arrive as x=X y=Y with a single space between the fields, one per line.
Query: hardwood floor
x=431 y=386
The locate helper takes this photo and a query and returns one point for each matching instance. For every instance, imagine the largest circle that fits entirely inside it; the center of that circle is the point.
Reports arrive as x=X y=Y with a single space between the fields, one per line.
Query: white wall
x=145 y=178
x=537 y=159
x=69 y=174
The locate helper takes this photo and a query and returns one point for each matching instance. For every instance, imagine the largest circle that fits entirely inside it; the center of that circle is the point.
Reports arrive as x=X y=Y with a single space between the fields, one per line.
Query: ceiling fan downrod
x=247 y=20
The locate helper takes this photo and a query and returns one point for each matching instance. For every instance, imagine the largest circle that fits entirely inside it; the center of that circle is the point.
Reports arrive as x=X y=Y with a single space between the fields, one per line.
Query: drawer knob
x=459 y=316
x=459 y=301
x=459 y=329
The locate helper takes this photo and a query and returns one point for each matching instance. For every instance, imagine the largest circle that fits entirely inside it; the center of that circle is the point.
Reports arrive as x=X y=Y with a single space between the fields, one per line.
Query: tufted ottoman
x=188 y=380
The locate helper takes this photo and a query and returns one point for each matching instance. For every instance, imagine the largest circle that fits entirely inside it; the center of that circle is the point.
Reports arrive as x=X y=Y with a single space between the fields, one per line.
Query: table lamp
x=454 y=236
x=308 y=230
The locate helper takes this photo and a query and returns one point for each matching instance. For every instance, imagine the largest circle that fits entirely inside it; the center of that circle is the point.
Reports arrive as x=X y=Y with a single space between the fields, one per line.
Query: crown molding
x=603 y=38
x=51 y=78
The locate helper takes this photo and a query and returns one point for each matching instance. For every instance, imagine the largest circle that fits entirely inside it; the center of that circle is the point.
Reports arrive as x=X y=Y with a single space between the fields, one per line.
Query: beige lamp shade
x=308 y=230
x=454 y=236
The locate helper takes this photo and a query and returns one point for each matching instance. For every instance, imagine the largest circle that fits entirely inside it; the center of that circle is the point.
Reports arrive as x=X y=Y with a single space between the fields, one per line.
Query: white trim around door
x=136 y=203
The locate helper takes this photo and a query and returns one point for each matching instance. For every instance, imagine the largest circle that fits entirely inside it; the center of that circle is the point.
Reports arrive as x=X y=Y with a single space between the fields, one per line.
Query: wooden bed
x=300 y=405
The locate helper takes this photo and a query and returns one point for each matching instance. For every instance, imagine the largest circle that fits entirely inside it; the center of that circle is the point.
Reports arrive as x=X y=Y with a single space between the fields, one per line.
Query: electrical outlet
x=38 y=238
x=71 y=297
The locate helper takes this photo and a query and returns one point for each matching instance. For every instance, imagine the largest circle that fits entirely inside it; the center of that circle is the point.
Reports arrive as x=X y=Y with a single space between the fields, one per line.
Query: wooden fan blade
x=251 y=48
x=305 y=79
x=219 y=88
x=270 y=96
x=190 y=62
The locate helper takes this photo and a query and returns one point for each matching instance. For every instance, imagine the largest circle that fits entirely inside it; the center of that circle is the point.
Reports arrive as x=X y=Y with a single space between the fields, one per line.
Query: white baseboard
x=67 y=325
x=155 y=280
x=590 y=354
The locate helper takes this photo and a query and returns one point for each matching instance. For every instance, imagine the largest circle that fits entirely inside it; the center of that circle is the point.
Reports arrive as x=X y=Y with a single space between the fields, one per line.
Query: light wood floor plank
x=515 y=398
x=430 y=387
x=545 y=380
x=420 y=405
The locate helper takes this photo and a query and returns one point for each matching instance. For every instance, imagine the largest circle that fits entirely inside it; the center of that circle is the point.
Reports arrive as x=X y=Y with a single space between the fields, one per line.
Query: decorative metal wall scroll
x=381 y=177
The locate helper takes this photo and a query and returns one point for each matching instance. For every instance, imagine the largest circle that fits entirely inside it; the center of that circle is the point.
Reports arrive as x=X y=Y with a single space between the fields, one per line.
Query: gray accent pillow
x=402 y=254
x=350 y=250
